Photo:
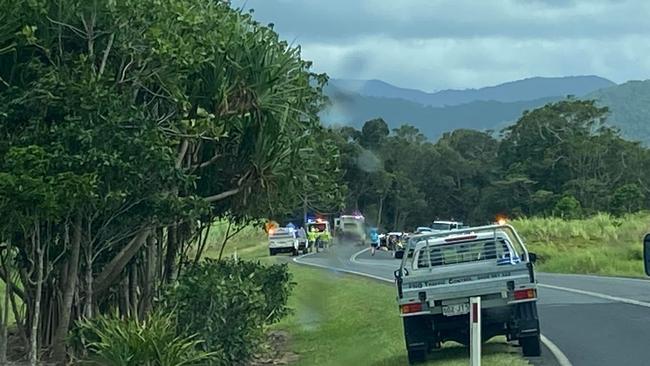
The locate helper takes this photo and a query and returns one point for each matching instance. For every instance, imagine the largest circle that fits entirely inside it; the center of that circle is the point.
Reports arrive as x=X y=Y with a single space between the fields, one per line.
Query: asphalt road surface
x=593 y=320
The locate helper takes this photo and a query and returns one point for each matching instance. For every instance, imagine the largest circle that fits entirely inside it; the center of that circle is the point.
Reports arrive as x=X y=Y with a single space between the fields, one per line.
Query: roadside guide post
x=475 y=331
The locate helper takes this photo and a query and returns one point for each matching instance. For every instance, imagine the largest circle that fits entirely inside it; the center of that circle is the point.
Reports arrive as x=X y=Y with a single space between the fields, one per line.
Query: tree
x=568 y=207
x=373 y=133
x=126 y=129
x=627 y=199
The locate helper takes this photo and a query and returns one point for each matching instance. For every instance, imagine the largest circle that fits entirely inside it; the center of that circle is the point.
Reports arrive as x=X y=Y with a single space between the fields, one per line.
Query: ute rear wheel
x=530 y=346
x=416 y=356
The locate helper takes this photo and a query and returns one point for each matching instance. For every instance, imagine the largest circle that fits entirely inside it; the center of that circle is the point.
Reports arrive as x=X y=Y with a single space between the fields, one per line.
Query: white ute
x=441 y=271
x=285 y=240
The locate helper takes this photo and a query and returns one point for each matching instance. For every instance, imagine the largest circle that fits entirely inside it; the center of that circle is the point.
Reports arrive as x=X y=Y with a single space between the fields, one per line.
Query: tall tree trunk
x=33 y=347
x=114 y=268
x=149 y=276
x=225 y=240
x=381 y=208
x=59 y=351
x=88 y=299
x=5 y=310
x=170 y=256
x=133 y=290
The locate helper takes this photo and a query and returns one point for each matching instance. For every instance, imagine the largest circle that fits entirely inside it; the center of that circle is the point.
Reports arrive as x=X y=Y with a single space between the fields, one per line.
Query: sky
x=440 y=44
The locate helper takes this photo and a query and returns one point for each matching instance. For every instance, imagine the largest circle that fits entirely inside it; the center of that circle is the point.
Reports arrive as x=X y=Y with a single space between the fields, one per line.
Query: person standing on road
x=374 y=240
x=311 y=237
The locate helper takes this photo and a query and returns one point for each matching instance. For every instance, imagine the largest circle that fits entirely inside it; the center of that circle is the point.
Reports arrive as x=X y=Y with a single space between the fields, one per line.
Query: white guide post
x=475 y=331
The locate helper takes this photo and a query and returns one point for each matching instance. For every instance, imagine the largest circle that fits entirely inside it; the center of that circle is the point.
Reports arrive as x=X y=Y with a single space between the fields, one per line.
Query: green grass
x=602 y=244
x=344 y=320
x=246 y=244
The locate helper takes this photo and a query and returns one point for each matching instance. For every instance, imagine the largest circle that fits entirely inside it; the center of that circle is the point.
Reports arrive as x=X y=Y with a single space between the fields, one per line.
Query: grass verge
x=602 y=244
x=345 y=320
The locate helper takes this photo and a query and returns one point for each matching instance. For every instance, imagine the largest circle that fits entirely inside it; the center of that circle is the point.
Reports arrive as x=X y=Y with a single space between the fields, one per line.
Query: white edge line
x=555 y=350
x=297 y=260
x=595 y=277
x=598 y=295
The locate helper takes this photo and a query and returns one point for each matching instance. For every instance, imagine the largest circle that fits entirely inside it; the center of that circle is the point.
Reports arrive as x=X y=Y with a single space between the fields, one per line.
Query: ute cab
x=438 y=226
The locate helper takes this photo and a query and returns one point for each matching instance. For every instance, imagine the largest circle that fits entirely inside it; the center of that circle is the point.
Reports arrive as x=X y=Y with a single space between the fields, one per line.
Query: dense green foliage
x=559 y=160
x=126 y=128
x=228 y=303
x=112 y=341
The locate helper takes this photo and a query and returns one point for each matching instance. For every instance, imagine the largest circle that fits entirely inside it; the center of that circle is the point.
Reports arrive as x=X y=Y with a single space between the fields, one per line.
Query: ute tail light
x=529 y=293
x=411 y=308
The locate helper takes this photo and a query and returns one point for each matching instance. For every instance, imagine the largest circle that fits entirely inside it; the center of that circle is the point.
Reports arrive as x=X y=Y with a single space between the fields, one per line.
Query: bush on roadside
x=112 y=341
x=228 y=303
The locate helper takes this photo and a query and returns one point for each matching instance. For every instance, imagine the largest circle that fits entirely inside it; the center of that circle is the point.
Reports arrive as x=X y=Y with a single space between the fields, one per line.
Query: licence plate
x=455 y=309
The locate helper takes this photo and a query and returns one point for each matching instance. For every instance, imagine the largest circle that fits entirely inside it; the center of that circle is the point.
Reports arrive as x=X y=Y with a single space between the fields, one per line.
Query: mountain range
x=491 y=108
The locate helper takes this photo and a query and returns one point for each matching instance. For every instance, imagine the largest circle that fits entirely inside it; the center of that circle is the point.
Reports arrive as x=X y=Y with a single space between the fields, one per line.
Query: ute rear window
x=500 y=251
x=438 y=226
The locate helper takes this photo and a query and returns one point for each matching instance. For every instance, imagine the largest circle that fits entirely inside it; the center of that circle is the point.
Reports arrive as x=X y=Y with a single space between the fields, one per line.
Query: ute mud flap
x=525 y=321
x=417 y=331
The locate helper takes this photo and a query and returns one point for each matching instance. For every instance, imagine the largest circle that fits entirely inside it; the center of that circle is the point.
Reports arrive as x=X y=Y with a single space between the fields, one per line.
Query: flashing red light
x=529 y=293
x=460 y=238
x=411 y=308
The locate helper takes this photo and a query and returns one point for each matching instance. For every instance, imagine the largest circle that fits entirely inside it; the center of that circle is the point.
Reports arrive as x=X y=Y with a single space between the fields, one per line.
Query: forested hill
x=629 y=104
x=513 y=91
x=354 y=109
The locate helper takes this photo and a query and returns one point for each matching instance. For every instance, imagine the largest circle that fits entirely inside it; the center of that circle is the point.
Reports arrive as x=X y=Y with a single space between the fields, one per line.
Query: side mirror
x=397 y=273
x=399 y=254
x=532 y=257
x=646 y=254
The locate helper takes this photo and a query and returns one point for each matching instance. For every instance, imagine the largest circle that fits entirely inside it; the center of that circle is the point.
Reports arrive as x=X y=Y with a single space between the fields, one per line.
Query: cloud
x=436 y=44
x=453 y=63
x=311 y=20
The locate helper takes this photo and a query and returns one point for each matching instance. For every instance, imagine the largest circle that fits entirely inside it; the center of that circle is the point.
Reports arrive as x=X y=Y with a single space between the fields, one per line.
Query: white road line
x=596 y=277
x=555 y=350
x=299 y=261
x=598 y=295
x=354 y=259
x=355 y=255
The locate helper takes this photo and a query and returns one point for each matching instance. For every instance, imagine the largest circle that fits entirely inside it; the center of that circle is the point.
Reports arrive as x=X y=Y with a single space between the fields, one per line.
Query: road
x=593 y=320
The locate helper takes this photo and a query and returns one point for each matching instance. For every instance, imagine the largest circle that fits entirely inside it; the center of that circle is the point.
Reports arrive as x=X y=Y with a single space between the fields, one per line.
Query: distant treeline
x=559 y=160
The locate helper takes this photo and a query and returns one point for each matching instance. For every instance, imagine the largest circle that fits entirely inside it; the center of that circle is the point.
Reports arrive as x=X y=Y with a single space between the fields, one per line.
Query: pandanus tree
x=126 y=127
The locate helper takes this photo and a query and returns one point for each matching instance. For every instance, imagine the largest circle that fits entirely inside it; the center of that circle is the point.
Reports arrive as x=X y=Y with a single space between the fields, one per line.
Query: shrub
x=228 y=303
x=111 y=341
